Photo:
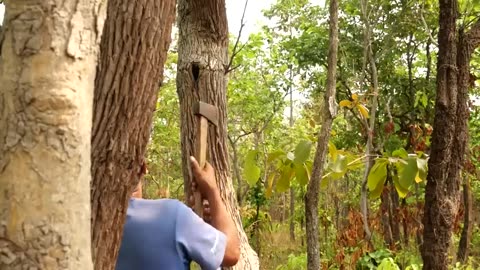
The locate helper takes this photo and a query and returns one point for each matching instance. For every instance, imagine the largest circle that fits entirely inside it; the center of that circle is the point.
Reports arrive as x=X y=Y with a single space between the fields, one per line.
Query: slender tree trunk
x=394 y=214
x=292 y=214
x=47 y=72
x=417 y=220
x=292 y=190
x=449 y=138
x=369 y=148
x=385 y=211
x=202 y=50
x=329 y=112
x=133 y=51
x=405 y=219
x=463 y=247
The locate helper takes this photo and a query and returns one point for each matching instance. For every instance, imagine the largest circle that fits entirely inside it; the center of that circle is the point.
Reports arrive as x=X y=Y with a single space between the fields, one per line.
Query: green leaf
x=332 y=150
x=274 y=155
x=374 y=194
x=284 y=182
x=397 y=127
x=401 y=153
x=377 y=175
x=422 y=170
x=251 y=171
x=407 y=173
x=340 y=164
x=324 y=182
x=402 y=192
x=301 y=174
x=388 y=264
x=302 y=152
x=268 y=192
x=424 y=100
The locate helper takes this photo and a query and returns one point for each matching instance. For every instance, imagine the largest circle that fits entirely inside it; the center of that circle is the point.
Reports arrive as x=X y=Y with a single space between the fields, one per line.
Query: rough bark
x=203 y=58
x=449 y=138
x=133 y=51
x=463 y=246
x=47 y=72
x=329 y=112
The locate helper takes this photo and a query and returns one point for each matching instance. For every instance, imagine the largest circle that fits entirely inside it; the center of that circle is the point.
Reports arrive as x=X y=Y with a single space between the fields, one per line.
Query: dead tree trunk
x=133 y=51
x=203 y=58
x=329 y=112
x=47 y=71
x=449 y=138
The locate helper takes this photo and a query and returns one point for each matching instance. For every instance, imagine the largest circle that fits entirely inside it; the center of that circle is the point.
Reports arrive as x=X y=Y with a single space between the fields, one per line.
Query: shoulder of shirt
x=170 y=203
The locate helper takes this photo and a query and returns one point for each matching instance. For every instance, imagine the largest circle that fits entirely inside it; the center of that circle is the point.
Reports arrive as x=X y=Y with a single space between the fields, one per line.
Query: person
x=165 y=234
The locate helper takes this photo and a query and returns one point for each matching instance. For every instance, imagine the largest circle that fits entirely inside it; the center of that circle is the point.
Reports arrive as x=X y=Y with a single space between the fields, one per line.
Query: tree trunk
x=385 y=211
x=202 y=59
x=449 y=138
x=404 y=211
x=47 y=72
x=133 y=51
x=329 y=112
x=463 y=247
x=369 y=149
x=394 y=214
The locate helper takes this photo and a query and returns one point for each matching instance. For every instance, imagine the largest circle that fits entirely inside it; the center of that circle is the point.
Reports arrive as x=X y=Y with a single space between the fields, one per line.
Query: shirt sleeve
x=198 y=240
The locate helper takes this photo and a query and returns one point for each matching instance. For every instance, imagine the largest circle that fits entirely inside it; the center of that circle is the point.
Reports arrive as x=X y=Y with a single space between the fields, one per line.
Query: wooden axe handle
x=201 y=156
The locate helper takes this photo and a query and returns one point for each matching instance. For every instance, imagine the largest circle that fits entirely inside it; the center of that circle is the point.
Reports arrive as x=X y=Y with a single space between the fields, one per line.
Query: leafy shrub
x=295 y=262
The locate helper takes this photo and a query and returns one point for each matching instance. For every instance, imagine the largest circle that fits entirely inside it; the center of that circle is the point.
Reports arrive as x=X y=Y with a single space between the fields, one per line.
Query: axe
x=205 y=113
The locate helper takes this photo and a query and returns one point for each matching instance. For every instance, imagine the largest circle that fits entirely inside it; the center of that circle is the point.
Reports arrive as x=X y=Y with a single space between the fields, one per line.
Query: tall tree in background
x=134 y=49
x=449 y=138
x=201 y=75
x=47 y=72
x=329 y=112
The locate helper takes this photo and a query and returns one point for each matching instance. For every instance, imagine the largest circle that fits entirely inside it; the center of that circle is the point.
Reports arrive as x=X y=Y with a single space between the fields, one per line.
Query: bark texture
x=450 y=133
x=203 y=58
x=329 y=112
x=133 y=52
x=47 y=72
x=464 y=245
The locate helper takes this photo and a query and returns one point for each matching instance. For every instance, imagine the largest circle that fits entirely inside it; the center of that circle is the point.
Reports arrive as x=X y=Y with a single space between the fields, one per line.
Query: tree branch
x=473 y=36
x=235 y=50
x=427 y=29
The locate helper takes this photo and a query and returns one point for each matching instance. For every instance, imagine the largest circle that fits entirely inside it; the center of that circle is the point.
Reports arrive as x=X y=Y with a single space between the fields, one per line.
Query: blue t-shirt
x=167 y=235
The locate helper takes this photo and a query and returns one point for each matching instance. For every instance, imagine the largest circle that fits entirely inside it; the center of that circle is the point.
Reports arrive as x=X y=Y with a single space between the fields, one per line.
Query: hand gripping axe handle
x=205 y=113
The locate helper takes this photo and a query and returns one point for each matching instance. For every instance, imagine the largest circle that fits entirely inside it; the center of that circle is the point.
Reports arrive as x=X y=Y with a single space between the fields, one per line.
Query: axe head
x=206 y=110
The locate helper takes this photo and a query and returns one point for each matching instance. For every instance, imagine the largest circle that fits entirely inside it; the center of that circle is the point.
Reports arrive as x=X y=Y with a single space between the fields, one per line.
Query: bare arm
x=218 y=215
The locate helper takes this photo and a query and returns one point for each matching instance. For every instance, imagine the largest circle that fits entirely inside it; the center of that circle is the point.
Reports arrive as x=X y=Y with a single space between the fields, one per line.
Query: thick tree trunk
x=47 y=72
x=449 y=138
x=133 y=51
x=463 y=247
x=202 y=59
x=329 y=112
